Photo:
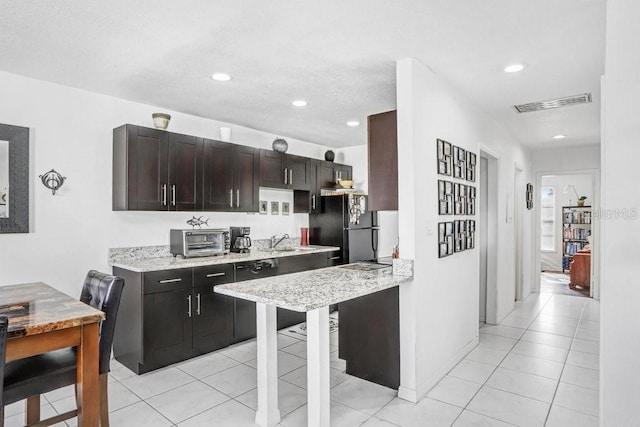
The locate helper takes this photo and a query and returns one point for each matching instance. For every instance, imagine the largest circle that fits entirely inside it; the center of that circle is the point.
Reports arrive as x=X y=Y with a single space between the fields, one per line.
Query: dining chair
x=30 y=377
x=4 y=323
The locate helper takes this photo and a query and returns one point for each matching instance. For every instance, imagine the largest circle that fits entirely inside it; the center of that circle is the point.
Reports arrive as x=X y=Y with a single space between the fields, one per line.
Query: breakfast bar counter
x=311 y=292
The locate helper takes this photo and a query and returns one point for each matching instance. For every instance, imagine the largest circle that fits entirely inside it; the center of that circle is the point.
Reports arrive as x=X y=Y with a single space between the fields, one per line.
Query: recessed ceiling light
x=299 y=103
x=221 y=77
x=559 y=136
x=353 y=123
x=514 y=68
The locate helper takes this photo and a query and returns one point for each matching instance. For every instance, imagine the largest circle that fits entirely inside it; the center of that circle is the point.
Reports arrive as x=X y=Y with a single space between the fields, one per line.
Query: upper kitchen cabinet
x=383 y=161
x=231 y=177
x=322 y=175
x=279 y=170
x=156 y=170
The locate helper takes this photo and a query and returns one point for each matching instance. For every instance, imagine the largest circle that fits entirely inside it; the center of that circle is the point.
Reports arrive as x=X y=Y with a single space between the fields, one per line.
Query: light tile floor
x=539 y=367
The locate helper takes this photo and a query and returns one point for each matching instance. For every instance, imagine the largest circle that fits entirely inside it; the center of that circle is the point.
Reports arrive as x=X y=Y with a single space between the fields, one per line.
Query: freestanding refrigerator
x=345 y=221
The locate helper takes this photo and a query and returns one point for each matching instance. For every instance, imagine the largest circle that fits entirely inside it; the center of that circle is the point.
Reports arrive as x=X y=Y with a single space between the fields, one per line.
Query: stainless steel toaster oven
x=201 y=242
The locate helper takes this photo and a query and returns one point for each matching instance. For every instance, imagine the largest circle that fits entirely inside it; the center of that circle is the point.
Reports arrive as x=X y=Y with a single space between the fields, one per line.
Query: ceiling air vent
x=584 y=98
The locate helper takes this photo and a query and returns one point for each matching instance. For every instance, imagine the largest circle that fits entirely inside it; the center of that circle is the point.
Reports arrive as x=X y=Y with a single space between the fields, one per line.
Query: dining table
x=43 y=319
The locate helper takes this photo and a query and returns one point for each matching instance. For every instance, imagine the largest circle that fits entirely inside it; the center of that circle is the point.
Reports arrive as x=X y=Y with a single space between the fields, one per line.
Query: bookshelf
x=576 y=229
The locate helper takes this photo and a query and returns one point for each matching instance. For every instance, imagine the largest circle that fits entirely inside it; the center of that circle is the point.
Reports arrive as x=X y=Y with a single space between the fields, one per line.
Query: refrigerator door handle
x=363 y=228
x=374 y=242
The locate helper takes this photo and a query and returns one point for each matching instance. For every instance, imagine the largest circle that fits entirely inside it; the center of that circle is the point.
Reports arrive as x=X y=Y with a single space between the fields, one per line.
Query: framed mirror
x=14 y=179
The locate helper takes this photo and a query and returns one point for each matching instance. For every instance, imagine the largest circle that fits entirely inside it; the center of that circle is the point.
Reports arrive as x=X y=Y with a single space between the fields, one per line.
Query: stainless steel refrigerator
x=345 y=221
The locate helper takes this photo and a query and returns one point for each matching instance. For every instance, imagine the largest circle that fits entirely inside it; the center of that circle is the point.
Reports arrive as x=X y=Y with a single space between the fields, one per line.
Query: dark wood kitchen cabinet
x=279 y=170
x=322 y=175
x=231 y=177
x=171 y=315
x=383 y=161
x=156 y=170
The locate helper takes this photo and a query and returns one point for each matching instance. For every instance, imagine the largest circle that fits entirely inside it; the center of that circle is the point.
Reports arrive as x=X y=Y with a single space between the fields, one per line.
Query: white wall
x=71 y=131
x=439 y=309
x=619 y=343
x=566 y=159
x=552 y=260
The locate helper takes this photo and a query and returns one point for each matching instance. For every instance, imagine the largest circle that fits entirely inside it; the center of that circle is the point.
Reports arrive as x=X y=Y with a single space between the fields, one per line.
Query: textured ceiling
x=338 y=55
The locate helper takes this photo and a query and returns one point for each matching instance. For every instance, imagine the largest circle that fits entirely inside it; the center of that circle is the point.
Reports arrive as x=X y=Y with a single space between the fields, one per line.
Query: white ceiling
x=337 y=54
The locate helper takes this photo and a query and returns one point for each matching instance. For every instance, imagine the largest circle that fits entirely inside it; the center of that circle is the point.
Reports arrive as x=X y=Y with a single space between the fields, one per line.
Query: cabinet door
x=273 y=170
x=185 y=166
x=246 y=181
x=342 y=172
x=218 y=176
x=167 y=327
x=383 y=161
x=325 y=175
x=148 y=167
x=299 y=170
x=212 y=320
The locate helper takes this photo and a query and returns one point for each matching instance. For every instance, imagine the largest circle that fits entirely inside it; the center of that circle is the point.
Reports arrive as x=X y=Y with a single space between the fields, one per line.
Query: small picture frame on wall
x=471 y=200
x=444 y=157
x=263 y=207
x=275 y=208
x=445 y=239
x=445 y=197
x=285 y=208
x=529 y=195
x=471 y=166
x=471 y=234
x=460 y=199
x=459 y=162
x=460 y=235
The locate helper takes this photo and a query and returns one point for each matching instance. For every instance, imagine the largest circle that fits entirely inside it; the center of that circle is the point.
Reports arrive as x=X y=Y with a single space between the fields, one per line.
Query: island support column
x=268 y=413
x=318 y=367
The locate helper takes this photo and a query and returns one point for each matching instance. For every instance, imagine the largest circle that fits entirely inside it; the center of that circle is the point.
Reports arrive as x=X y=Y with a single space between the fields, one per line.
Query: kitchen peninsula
x=311 y=292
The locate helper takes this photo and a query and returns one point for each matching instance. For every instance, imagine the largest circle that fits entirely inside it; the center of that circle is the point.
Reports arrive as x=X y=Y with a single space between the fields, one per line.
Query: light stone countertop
x=313 y=289
x=169 y=262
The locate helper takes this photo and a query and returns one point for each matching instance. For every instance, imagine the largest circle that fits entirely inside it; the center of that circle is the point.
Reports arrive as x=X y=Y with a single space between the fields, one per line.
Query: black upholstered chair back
x=4 y=323
x=103 y=291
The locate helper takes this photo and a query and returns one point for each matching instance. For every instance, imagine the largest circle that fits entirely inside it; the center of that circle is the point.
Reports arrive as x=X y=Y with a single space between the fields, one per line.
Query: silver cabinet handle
x=198 y=304
x=170 y=280
x=334 y=257
x=313 y=201
x=231 y=198
x=216 y=274
x=237 y=198
x=285 y=176
x=173 y=195
x=164 y=195
x=290 y=176
x=189 y=305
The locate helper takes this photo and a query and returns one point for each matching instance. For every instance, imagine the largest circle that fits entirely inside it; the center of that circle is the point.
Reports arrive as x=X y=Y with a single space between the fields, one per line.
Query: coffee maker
x=240 y=240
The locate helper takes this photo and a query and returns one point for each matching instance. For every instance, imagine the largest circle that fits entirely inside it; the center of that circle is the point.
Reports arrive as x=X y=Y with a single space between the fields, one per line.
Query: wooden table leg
x=268 y=413
x=318 y=367
x=88 y=398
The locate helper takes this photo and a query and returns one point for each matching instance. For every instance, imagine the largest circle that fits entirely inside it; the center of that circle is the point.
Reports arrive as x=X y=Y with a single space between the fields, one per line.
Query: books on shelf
x=571 y=248
x=573 y=233
x=576 y=217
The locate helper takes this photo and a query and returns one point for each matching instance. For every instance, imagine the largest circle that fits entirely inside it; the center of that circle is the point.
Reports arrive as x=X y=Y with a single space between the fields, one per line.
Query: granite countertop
x=35 y=308
x=169 y=262
x=313 y=289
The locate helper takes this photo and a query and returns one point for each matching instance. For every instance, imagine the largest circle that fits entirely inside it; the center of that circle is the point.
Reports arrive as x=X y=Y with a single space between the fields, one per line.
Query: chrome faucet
x=275 y=241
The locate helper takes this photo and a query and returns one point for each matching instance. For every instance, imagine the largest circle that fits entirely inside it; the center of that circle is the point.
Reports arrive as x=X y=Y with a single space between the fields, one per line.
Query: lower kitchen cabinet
x=164 y=319
x=369 y=339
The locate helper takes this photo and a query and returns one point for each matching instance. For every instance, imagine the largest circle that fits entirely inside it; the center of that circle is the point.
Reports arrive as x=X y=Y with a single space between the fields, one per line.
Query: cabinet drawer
x=167 y=280
x=213 y=275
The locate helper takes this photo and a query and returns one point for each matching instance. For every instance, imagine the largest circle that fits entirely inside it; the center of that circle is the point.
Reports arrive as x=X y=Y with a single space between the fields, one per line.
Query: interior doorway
x=567 y=233
x=518 y=216
x=488 y=236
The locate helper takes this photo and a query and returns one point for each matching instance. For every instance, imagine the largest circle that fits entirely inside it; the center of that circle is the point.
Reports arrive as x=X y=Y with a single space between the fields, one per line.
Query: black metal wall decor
x=445 y=239
x=460 y=199
x=444 y=157
x=471 y=200
x=459 y=162
x=460 y=235
x=52 y=180
x=471 y=166
x=445 y=197
x=529 y=196
x=471 y=234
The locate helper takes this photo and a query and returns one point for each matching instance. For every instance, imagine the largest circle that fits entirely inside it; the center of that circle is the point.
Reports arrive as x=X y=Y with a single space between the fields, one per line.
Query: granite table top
x=169 y=263
x=309 y=290
x=36 y=308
